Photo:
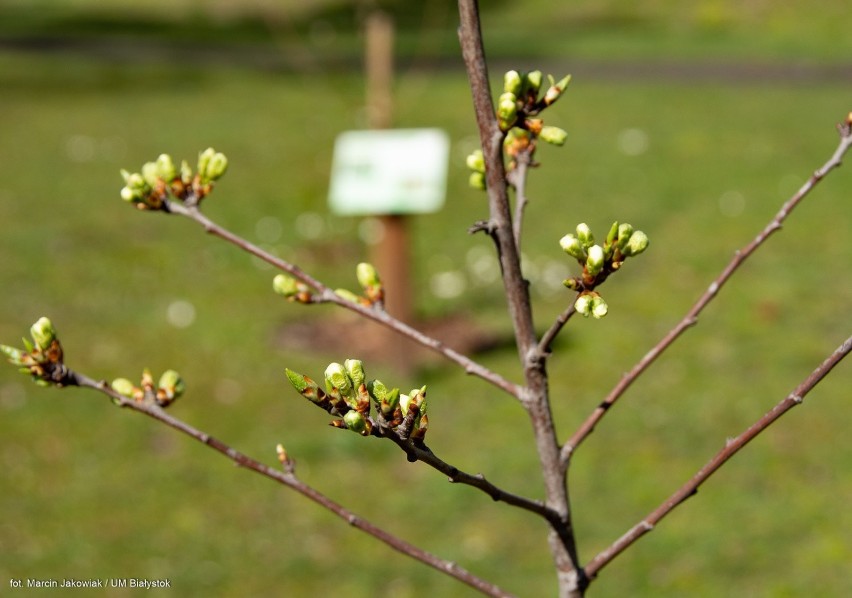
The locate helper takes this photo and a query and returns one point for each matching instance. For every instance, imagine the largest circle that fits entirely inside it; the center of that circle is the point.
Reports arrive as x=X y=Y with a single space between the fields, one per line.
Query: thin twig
x=326 y=295
x=549 y=336
x=288 y=478
x=731 y=448
x=424 y=454
x=691 y=318
x=519 y=182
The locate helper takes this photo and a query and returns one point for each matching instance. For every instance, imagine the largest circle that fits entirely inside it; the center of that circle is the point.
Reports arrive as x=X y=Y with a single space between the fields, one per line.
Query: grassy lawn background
x=89 y=490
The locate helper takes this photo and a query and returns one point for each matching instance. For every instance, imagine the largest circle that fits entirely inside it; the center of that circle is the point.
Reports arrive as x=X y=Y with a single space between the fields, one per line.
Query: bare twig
x=288 y=478
x=326 y=295
x=519 y=182
x=549 y=336
x=419 y=452
x=732 y=446
x=691 y=318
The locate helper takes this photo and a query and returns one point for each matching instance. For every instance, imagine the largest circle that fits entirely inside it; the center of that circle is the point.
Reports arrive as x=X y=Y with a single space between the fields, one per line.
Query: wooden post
x=390 y=255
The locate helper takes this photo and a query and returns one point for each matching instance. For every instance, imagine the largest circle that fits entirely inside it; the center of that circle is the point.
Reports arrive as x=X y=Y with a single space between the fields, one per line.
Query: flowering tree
x=509 y=131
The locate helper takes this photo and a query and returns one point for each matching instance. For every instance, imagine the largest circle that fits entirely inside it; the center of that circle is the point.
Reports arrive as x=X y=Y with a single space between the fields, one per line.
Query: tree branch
x=421 y=452
x=536 y=397
x=732 y=446
x=691 y=318
x=327 y=295
x=288 y=478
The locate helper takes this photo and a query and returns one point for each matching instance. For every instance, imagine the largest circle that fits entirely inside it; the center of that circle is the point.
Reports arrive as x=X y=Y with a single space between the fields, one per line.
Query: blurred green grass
x=92 y=491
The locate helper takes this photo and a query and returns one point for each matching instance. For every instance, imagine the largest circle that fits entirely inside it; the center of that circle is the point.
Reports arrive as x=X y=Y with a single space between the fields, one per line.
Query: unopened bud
x=124 y=387
x=637 y=243
x=599 y=307
x=595 y=260
x=583 y=304
x=217 y=166
x=151 y=173
x=172 y=384
x=348 y=295
x=625 y=231
x=185 y=172
x=285 y=285
x=553 y=135
x=476 y=161
x=336 y=377
x=556 y=90
x=43 y=333
x=584 y=233
x=367 y=275
x=532 y=82
x=355 y=369
x=355 y=421
x=204 y=161
x=507 y=111
x=512 y=82
x=477 y=180
x=166 y=168
x=572 y=246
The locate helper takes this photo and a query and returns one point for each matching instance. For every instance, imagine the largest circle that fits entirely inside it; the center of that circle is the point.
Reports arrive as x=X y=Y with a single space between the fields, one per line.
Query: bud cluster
x=517 y=109
x=365 y=407
x=40 y=358
x=599 y=261
x=161 y=179
x=167 y=390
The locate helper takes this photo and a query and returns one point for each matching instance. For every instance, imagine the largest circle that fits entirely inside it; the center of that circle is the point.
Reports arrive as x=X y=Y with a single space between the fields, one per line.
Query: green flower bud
x=553 y=135
x=185 y=172
x=285 y=285
x=476 y=161
x=124 y=387
x=204 y=161
x=348 y=295
x=507 y=111
x=150 y=173
x=43 y=333
x=355 y=369
x=172 y=384
x=532 y=82
x=555 y=90
x=166 y=168
x=583 y=304
x=599 y=307
x=512 y=82
x=477 y=180
x=637 y=243
x=217 y=166
x=367 y=275
x=336 y=377
x=584 y=233
x=625 y=231
x=572 y=246
x=355 y=421
x=130 y=195
x=572 y=283
x=595 y=260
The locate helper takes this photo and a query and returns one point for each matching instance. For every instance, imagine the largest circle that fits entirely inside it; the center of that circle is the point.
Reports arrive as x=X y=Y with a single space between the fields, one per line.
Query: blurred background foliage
x=693 y=121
